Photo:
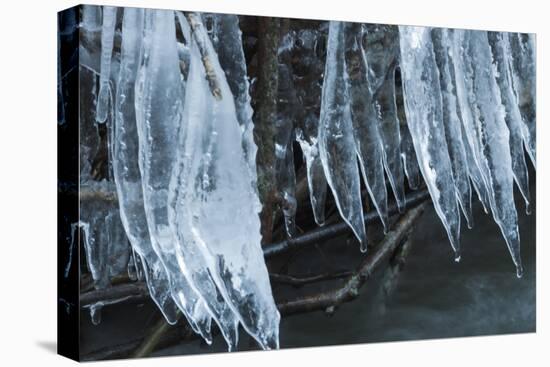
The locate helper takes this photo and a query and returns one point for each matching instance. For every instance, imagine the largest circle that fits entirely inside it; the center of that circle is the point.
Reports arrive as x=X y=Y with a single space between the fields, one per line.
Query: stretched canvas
x=233 y=183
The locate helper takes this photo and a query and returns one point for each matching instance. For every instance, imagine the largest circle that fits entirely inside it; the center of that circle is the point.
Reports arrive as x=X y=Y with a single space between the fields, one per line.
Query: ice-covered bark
x=365 y=127
x=451 y=121
x=336 y=143
x=381 y=53
x=218 y=204
x=159 y=109
x=126 y=168
x=493 y=135
x=308 y=64
x=423 y=107
x=502 y=61
x=104 y=97
x=522 y=48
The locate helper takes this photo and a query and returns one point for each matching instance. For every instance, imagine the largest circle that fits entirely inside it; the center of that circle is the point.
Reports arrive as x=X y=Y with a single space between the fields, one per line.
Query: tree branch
x=201 y=37
x=350 y=289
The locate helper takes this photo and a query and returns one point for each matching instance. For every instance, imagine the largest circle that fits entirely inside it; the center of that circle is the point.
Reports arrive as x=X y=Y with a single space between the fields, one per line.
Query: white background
x=28 y=182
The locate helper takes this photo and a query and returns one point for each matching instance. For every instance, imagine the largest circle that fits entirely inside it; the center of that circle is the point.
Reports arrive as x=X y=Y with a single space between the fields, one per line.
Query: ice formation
x=310 y=63
x=367 y=136
x=381 y=56
x=336 y=143
x=423 y=108
x=126 y=167
x=370 y=102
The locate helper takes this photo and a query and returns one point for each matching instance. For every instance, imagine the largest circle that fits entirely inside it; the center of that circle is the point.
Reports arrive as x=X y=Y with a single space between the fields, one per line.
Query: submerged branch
x=350 y=289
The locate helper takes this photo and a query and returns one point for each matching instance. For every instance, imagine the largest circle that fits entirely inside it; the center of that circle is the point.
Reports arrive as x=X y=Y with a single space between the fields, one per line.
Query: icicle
x=336 y=143
x=126 y=168
x=493 y=137
x=423 y=106
x=188 y=251
x=229 y=47
x=522 y=48
x=218 y=203
x=452 y=122
x=381 y=55
x=365 y=127
x=159 y=108
x=107 y=41
x=410 y=165
x=502 y=60
x=308 y=64
x=466 y=99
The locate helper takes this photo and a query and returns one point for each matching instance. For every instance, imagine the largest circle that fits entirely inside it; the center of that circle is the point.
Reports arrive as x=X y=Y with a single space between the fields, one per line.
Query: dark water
x=434 y=296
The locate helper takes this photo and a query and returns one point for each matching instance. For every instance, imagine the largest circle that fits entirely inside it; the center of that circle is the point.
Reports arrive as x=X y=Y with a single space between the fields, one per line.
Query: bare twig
x=300 y=281
x=114 y=293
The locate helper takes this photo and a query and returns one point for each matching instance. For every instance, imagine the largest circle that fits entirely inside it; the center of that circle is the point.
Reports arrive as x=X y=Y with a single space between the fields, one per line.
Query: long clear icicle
x=107 y=42
x=451 y=121
x=381 y=54
x=493 y=137
x=309 y=63
x=221 y=204
x=423 y=106
x=522 y=47
x=336 y=144
x=188 y=251
x=126 y=168
x=365 y=127
x=502 y=60
x=159 y=108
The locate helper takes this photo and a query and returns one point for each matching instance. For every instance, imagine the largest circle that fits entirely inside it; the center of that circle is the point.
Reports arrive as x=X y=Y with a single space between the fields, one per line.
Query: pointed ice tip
x=519 y=271
x=270 y=342
x=457 y=256
x=527 y=208
x=363 y=247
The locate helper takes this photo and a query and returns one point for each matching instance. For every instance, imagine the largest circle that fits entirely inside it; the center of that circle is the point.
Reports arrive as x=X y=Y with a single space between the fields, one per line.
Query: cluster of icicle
x=454 y=107
x=183 y=162
x=462 y=116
